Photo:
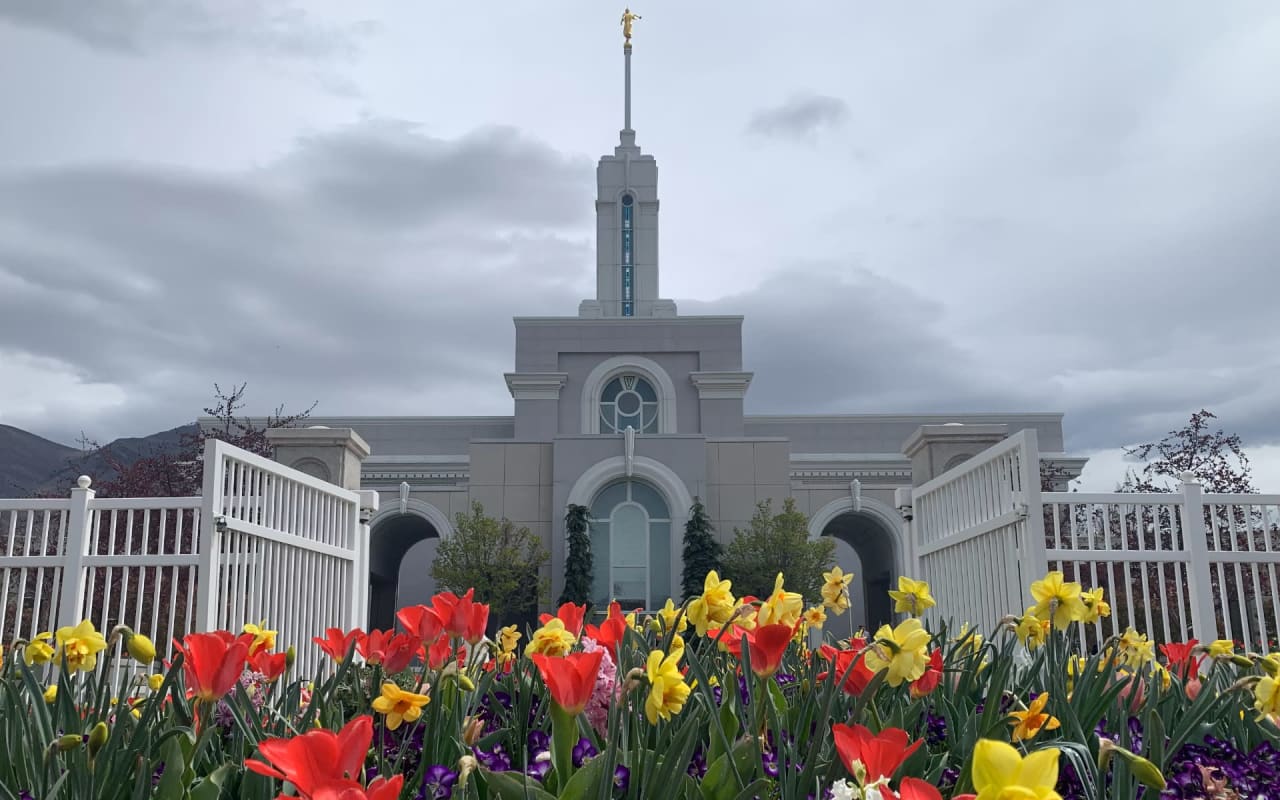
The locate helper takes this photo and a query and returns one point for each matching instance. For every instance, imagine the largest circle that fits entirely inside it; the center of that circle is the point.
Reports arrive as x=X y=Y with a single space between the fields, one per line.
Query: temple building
x=634 y=410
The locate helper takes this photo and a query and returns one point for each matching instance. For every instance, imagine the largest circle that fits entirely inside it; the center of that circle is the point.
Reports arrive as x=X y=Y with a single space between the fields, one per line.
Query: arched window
x=628 y=400
x=631 y=545
x=628 y=256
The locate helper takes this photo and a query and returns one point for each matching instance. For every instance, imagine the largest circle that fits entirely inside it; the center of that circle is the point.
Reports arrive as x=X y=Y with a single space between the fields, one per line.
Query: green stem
x=564 y=735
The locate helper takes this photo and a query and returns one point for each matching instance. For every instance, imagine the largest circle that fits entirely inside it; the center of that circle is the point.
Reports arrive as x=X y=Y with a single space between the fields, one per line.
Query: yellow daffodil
x=39 y=651
x=1095 y=608
x=263 y=639
x=1266 y=696
x=912 y=597
x=552 y=639
x=1032 y=631
x=781 y=607
x=1135 y=649
x=968 y=640
x=668 y=613
x=677 y=647
x=714 y=606
x=835 y=590
x=1026 y=724
x=508 y=638
x=399 y=705
x=1222 y=648
x=815 y=616
x=155 y=682
x=81 y=645
x=903 y=651
x=1057 y=600
x=51 y=693
x=1000 y=773
x=667 y=689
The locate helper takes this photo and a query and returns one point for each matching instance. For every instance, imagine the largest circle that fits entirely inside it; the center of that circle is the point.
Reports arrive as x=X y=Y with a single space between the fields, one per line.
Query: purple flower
x=621 y=778
x=583 y=750
x=437 y=783
x=935 y=728
x=1251 y=775
x=698 y=763
x=538 y=769
x=495 y=760
x=1135 y=734
x=769 y=761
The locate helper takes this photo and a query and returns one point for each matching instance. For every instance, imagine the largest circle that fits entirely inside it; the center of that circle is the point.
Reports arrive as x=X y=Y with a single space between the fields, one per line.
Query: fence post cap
x=83 y=481
x=1187 y=477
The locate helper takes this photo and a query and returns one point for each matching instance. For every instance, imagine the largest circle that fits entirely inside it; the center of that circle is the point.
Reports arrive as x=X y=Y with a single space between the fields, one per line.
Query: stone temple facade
x=634 y=411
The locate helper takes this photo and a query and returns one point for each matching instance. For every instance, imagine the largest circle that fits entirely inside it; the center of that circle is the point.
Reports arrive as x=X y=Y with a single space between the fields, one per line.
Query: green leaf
x=172 y=785
x=509 y=787
x=211 y=787
x=584 y=782
x=720 y=783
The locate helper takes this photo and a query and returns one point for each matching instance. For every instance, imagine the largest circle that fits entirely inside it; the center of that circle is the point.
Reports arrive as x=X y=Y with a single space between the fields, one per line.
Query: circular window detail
x=628 y=401
x=627 y=200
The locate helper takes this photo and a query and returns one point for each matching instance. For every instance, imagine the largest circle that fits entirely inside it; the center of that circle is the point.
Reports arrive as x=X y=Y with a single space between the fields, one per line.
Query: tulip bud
x=66 y=744
x=155 y=682
x=1148 y=774
x=1105 y=748
x=140 y=647
x=466 y=765
x=1241 y=661
x=465 y=682
x=471 y=730
x=98 y=736
x=1192 y=688
x=290 y=656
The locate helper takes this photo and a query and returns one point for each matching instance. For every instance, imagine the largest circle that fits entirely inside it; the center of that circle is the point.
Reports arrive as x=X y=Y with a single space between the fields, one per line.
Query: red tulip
x=571 y=615
x=323 y=765
x=767 y=644
x=392 y=650
x=913 y=789
x=881 y=754
x=855 y=680
x=1179 y=657
x=271 y=665
x=211 y=665
x=610 y=632
x=421 y=621
x=926 y=683
x=337 y=644
x=462 y=617
x=571 y=679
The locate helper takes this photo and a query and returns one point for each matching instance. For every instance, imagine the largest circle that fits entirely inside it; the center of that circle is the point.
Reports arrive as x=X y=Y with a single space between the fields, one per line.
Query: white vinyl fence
x=974 y=539
x=1175 y=566
x=264 y=542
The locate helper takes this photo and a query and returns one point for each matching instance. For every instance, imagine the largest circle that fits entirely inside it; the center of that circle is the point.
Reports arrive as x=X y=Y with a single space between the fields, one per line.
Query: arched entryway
x=401 y=549
x=868 y=544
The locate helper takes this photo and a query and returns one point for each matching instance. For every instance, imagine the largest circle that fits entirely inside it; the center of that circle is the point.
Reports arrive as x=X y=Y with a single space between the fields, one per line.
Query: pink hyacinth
x=606 y=690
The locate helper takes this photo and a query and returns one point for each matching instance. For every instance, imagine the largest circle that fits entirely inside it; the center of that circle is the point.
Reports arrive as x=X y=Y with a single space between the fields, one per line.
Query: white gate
x=263 y=543
x=974 y=536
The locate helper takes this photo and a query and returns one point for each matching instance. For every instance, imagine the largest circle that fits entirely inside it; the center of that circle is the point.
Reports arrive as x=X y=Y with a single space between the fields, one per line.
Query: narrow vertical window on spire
x=628 y=267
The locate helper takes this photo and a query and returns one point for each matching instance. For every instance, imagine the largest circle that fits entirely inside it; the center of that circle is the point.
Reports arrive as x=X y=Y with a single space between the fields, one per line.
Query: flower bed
x=718 y=699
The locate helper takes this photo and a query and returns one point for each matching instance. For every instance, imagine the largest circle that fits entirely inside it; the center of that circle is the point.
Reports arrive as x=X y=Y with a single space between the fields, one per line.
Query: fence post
x=1204 y=618
x=360 y=603
x=79 y=520
x=1034 y=560
x=210 y=540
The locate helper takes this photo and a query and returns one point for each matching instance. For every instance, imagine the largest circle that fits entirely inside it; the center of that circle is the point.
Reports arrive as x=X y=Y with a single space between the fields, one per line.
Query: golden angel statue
x=627 y=19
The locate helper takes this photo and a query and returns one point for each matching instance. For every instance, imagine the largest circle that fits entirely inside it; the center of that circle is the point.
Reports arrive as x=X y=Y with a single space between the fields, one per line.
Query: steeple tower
x=627 y=220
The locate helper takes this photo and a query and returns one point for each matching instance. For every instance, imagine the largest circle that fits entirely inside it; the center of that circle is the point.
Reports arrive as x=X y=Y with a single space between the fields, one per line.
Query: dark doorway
x=401 y=549
x=865 y=548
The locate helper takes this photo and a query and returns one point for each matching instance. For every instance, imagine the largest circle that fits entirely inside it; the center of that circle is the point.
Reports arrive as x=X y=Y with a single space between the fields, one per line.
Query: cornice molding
x=721 y=385
x=535 y=385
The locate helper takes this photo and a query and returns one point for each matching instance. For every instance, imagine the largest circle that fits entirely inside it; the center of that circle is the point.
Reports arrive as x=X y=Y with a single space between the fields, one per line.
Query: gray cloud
x=799 y=117
x=136 y=26
x=373 y=294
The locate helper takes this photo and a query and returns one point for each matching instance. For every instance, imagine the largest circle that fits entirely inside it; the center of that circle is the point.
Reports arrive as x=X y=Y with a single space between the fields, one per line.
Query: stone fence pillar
x=330 y=454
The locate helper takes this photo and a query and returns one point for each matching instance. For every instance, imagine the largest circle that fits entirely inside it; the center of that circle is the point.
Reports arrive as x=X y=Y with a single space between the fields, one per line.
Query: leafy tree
x=578 y=566
x=702 y=551
x=1216 y=459
x=778 y=543
x=501 y=562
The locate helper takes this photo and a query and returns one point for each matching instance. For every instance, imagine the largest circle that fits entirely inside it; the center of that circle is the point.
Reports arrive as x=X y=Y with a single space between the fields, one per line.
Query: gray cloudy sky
x=919 y=206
